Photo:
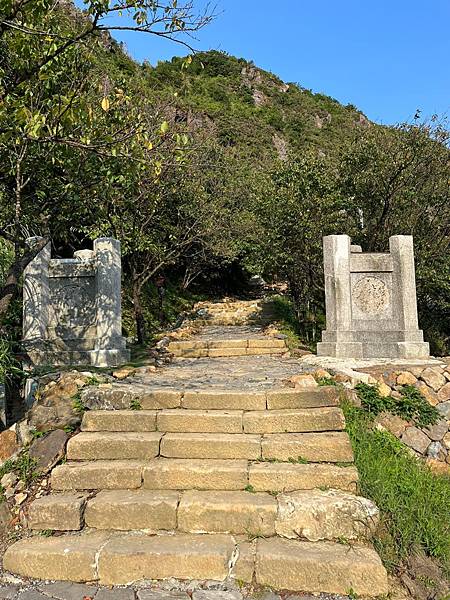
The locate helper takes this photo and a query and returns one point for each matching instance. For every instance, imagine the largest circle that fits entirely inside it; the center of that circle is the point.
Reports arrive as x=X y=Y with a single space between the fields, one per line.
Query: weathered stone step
x=119 y=420
x=294 y=421
x=333 y=447
x=98 y=475
x=211 y=445
x=113 y=445
x=123 y=559
x=186 y=474
x=226 y=352
x=215 y=421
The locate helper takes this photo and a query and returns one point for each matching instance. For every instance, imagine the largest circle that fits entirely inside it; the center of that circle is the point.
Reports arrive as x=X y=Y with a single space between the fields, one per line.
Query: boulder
x=428 y=393
x=384 y=390
x=406 y=378
x=416 y=439
x=392 y=423
x=304 y=380
x=444 y=409
x=433 y=377
x=437 y=431
x=49 y=450
x=444 y=393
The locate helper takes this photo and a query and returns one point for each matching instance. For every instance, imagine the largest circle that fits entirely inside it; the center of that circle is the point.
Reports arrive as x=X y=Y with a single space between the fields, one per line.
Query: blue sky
x=388 y=58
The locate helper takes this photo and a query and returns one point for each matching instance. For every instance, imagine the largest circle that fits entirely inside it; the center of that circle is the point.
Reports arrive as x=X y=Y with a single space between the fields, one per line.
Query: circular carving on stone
x=371 y=295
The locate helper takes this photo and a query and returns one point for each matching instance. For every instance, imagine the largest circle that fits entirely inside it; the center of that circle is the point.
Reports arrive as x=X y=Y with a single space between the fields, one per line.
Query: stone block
x=266 y=343
x=65 y=558
x=444 y=393
x=227 y=512
x=244 y=567
x=222 y=400
x=97 y=475
x=204 y=445
x=113 y=445
x=299 y=420
x=311 y=398
x=279 y=477
x=57 y=512
x=428 y=393
x=313 y=447
x=63 y=590
x=156 y=399
x=130 y=559
x=320 y=567
x=233 y=343
x=223 y=352
x=185 y=474
x=200 y=421
x=133 y=509
x=416 y=439
x=119 y=420
x=406 y=378
x=325 y=515
x=433 y=377
x=437 y=431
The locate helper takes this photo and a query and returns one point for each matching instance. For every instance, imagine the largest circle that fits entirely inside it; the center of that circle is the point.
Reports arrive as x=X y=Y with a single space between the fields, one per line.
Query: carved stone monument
x=371 y=305
x=72 y=307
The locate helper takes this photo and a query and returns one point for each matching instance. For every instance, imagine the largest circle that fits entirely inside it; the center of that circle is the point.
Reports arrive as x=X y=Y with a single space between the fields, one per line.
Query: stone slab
x=113 y=445
x=290 y=398
x=160 y=398
x=296 y=420
x=227 y=512
x=278 y=477
x=209 y=445
x=125 y=510
x=320 y=567
x=128 y=559
x=185 y=474
x=62 y=512
x=117 y=474
x=222 y=400
x=199 y=421
x=119 y=420
x=314 y=447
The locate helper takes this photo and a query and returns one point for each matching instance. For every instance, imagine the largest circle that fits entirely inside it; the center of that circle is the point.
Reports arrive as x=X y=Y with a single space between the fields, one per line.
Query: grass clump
x=414 y=503
x=135 y=404
x=411 y=406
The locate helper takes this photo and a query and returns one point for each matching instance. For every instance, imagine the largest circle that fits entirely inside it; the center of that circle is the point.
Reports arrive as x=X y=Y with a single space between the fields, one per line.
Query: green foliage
x=23 y=466
x=412 y=406
x=77 y=405
x=135 y=404
x=414 y=502
x=324 y=381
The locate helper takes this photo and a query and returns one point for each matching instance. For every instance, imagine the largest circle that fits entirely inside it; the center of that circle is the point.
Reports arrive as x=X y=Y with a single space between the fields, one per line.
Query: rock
x=437 y=431
x=20 y=486
x=49 y=450
x=20 y=498
x=5 y=518
x=444 y=409
x=428 y=393
x=216 y=595
x=444 y=393
x=66 y=590
x=446 y=440
x=352 y=397
x=325 y=515
x=124 y=372
x=438 y=467
x=8 y=444
x=119 y=594
x=406 y=378
x=433 y=377
x=436 y=450
x=391 y=423
x=303 y=381
x=416 y=439
x=384 y=390
x=322 y=374
x=8 y=480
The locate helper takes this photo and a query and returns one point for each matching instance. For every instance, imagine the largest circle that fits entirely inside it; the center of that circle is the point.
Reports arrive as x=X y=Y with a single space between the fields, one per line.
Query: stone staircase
x=258 y=486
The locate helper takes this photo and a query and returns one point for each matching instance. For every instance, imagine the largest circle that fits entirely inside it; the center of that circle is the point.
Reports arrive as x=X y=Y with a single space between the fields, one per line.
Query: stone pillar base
x=112 y=357
x=363 y=350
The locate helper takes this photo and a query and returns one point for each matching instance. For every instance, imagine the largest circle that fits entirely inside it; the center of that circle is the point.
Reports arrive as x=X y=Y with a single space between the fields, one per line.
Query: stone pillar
x=336 y=251
x=108 y=287
x=402 y=251
x=36 y=296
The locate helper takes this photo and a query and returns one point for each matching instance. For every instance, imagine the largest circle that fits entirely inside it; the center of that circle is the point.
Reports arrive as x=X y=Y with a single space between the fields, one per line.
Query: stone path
x=208 y=470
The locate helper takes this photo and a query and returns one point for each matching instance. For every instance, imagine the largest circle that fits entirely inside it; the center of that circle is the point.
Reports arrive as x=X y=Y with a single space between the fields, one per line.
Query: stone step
x=119 y=420
x=224 y=400
x=232 y=343
x=294 y=421
x=187 y=474
x=110 y=445
x=211 y=445
x=333 y=447
x=227 y=352
x=98 y=475
x=200 y=421
x=320 y=396
x=314 y=567
x=309 y=514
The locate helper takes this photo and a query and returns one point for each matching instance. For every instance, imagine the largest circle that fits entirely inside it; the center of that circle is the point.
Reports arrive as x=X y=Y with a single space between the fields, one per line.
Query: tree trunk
x=139 y=314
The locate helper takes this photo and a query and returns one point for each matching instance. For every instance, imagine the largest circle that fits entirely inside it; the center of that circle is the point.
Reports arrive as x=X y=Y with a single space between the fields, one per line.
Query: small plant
x=135 y=404
x=249 y=488
x=46 y=532
x=69 y=428
x=77 y=404
x=300 y=460
x=36 y=434
x=352 y=594
x=325 y=381
x=24 y=467
x=93 y=381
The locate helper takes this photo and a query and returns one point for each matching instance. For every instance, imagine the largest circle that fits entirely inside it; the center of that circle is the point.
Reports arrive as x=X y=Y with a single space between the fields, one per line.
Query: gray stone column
x=336 y=250
x=108 y=284
x=402 y=252
x=36 y=295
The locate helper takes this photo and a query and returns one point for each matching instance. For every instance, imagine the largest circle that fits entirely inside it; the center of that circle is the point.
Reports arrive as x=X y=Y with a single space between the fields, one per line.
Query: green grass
x=414 y=502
